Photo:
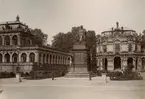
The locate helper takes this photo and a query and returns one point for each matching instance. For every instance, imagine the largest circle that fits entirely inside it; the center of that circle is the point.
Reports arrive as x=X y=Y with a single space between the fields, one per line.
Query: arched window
x=32 y=57
x=0 y=40
x=29 y=42
x=15 y=58
x=15 y=40
x=1 y=58
x=23 y=57
x=7 y=40
x=7 y=58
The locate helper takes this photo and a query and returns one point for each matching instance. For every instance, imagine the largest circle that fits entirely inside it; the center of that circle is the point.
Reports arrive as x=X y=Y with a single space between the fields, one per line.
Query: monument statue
x=81 y=34
x=79 y=52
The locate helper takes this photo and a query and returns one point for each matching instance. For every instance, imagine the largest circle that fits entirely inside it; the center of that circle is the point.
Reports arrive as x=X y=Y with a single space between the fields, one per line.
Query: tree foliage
x=65 y=41
x=143 y=40
x=38 y=36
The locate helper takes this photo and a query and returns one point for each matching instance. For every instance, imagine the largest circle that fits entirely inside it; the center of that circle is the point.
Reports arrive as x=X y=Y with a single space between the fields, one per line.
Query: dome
x=121 y=31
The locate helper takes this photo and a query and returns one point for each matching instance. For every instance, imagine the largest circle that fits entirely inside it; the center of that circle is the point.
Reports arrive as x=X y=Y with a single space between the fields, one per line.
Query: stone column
x=52 y=59
x=19 y=40
x=124 y=63
x=11 y=41
x=11 y=58
x=3 y=57
x=139 y=63
x=101 y=64
x=28 y=60
x=3 y=39
x=36 y=57
x=19 y=57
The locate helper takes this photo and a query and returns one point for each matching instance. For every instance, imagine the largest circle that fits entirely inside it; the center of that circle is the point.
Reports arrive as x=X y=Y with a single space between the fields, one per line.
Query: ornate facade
x=119 y=48
x=17 y=48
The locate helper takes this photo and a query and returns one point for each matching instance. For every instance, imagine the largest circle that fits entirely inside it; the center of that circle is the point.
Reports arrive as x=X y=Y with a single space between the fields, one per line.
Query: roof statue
x=17 y=18
x=117 y=24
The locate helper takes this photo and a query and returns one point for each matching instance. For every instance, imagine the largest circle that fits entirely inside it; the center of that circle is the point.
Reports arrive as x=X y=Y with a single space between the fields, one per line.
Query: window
x=117 y=47
x=23 y=57
x=1 y=58
x=7 y=40
x=130 y=47
x=15 y=57
x=32 y=57
x=7 y=58
x=104 y=48
x=14 y=40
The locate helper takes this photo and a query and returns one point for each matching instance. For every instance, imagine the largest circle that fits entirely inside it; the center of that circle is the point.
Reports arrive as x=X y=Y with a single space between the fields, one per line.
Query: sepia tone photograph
x=72 y=49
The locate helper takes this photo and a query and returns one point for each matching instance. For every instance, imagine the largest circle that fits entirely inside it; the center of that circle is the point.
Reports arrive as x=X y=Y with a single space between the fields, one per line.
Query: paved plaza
x=72 y=88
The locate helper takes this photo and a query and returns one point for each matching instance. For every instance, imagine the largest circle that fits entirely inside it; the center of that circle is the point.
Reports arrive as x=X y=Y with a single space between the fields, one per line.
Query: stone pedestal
x=79 y=66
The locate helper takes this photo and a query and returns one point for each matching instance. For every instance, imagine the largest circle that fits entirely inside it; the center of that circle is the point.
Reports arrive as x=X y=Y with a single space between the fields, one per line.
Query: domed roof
x=124 y=31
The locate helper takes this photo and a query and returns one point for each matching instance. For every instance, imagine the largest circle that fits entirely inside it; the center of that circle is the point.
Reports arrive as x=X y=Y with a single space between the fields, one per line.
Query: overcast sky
x=54 y=16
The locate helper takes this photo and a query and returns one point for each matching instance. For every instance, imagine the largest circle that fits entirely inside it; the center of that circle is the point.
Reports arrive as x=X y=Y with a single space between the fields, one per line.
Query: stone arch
x=43 y=58
x=130 y=63
x=15 y=40
x=1 y=57
x=50 y=60
x=47 y=58
x=23 y=57
x=32 y=57
x=117 y=63
x=7 y=40
x=15 y=58
x=7 y=58
x=1 y=41
x=40 y=55
x=143 y=63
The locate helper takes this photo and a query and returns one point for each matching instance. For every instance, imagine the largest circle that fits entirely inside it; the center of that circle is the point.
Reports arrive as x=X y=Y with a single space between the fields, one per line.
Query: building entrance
x=117 y=63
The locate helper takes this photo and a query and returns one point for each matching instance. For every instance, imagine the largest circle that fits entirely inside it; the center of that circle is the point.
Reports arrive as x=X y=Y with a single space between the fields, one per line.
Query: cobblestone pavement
x=72 y=88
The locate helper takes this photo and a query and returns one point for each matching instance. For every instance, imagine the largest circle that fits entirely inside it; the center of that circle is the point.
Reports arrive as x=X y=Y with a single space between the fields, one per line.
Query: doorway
x=117 y=63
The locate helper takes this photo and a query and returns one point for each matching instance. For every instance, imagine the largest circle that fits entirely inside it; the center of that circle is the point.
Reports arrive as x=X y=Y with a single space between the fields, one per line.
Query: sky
x=54 y=16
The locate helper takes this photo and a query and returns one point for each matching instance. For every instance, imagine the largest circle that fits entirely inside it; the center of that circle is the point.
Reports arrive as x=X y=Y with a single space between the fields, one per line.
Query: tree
x=143 y=41
x=65 y=41
x=39 y=37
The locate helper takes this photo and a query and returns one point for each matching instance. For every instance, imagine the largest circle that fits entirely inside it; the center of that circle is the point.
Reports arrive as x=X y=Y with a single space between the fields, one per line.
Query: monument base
x=79 y=72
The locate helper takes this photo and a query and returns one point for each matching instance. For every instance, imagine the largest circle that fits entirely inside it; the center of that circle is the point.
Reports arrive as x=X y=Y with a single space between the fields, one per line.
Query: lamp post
x=18 y=73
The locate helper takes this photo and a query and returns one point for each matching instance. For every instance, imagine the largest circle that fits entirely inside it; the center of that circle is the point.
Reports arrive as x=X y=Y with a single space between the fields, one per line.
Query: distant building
x=18 y=48
x=119 y=48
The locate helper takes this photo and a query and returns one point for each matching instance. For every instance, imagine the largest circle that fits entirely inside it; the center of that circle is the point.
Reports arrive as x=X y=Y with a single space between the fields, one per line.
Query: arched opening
x=1 y=40
x=130 y=63
x=32 y=57
x=143 y=63
x=7 y=40
x=14 y=40
x=39 y=57
x=50 y=60
x=106 y=63
x=7 y=58
x=1 y=58
x=43 y=58
x=23 y=57
x=15 y=57
x=47 y=58
x=117 y=63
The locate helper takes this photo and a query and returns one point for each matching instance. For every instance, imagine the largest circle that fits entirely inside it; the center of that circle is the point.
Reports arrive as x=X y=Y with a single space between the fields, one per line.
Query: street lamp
x=18 y=73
